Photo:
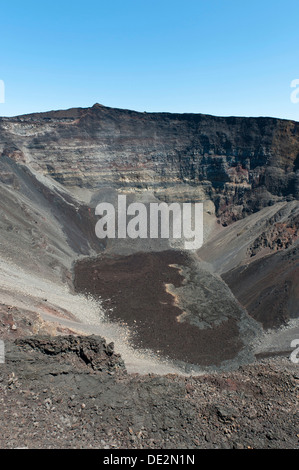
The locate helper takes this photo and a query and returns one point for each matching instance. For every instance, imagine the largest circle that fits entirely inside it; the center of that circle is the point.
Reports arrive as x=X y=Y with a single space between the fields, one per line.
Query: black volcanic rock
x=93 y=351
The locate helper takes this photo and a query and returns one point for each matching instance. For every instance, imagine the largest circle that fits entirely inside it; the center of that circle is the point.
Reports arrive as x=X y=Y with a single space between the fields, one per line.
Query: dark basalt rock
x=92 y=350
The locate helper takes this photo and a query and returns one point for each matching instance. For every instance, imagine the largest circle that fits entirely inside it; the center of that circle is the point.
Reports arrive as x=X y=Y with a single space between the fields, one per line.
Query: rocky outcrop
x=93 y=351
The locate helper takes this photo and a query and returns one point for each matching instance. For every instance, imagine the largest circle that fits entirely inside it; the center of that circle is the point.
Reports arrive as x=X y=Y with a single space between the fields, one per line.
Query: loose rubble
x=74 y=392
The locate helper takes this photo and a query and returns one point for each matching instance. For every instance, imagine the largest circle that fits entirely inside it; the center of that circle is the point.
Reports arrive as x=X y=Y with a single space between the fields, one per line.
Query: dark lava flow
x=134 y=288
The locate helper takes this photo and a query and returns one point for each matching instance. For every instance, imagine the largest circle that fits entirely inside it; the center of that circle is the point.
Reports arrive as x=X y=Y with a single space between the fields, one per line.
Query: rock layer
x=242 y=164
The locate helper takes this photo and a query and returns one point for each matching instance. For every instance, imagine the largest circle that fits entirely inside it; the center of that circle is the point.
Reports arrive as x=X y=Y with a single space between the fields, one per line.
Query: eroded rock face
x=258 y=259
x=243 y=164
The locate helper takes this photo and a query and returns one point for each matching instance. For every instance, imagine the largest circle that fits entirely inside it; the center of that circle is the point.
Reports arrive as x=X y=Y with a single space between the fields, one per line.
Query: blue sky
x=222 y=57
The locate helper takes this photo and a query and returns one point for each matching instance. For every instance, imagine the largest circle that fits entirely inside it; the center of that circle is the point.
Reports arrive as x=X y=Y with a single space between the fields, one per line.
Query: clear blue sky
x=222 y=57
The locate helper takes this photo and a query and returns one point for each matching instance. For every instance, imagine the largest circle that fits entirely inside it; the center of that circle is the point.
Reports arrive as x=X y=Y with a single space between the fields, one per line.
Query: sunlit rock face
x=241 y=164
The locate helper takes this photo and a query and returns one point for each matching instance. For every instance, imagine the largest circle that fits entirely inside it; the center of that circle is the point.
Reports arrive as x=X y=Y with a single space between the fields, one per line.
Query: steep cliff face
x=241 y=164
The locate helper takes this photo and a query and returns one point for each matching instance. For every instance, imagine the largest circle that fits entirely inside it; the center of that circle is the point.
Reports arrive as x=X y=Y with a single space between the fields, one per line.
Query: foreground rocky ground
x=74 y=392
